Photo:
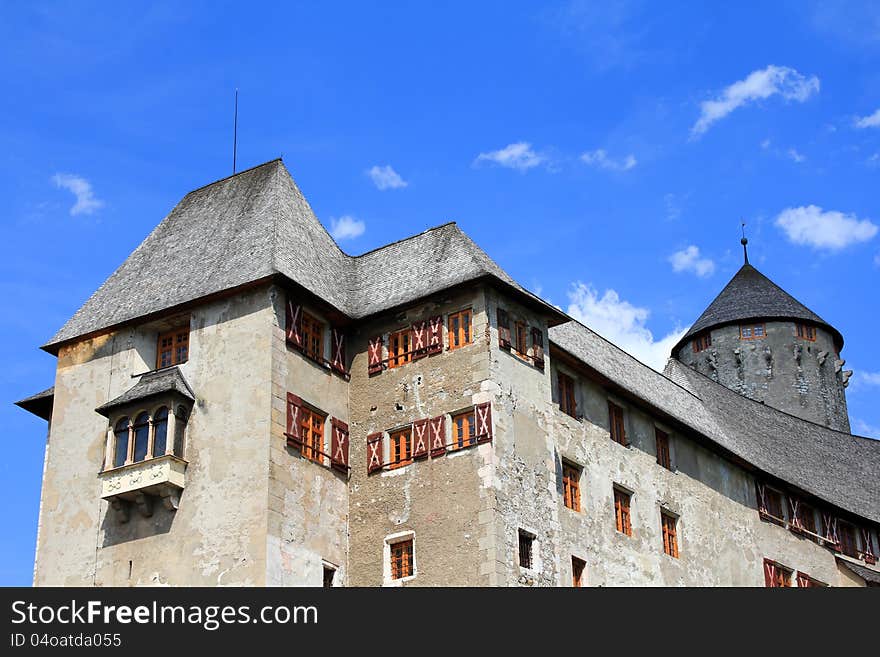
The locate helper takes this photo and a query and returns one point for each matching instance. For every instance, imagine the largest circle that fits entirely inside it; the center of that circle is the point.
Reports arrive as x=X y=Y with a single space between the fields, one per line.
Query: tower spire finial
x=745 y=242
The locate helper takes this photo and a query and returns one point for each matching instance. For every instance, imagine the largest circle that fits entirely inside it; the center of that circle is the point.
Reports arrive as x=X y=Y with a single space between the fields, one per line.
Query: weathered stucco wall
x=797 y=376
x=217 y=536
x=308 y=501
x=445 y=501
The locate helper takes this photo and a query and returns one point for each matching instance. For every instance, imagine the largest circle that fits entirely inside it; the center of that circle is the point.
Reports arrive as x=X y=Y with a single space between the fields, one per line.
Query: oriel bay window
x=146 y=437
x=460 y=333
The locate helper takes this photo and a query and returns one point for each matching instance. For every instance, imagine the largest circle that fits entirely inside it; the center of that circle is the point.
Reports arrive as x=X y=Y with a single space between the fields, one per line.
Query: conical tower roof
x=751 y=296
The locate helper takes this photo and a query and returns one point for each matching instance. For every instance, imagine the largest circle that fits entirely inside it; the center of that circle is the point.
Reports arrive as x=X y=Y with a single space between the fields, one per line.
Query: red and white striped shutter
x=437 y=435
x=830 y=525
x=420 y=438
x=868 y=550
x=338 y=343
x=294 y=324
x=419 y=345
x=538 y=347
x=769 y=574
x=503 y=328
x=483 y=418
x=294 y=414
x=374 y=452
x=794 y=506
x=435 y=335
x=339 y=446
x=761 y=494
x=803 y=580
x=374 y=355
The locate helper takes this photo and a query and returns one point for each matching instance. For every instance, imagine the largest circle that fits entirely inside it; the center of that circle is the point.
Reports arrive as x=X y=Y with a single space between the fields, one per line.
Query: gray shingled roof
x=39 y=404
x=842 y=469
x=749 y=296
x=151 y=384
x=257 y=224
x=870 y=576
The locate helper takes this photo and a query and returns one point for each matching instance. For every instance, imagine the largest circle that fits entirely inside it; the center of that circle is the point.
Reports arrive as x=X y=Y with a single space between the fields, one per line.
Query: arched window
x=160 y=431
x=141 y=436
x=120 y=453
x=180 y=418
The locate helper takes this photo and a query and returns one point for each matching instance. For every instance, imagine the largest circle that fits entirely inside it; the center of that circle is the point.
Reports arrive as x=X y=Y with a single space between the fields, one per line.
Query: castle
x=242 y=403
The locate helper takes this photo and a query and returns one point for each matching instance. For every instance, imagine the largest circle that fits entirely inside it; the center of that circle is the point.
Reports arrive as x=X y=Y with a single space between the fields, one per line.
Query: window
x=571 y=486
x=663 y=457
x=577 y=572
x=459 y=329
x=464 y=428
x=668 y=524
x=526 y=545
x=329 y=576
x=806 y=332
x=173 y=348
x=702 y=342
x=846 y=537
x=806 y=515
x=160 y=431
x=399 y=348
x=770 y=504
x=615 y=419
x=120 y=453
x=141 y=437
x=567 y=402
x=621 y=511
x=312 y=337
x=401 y=448
x=776 y=575
x=751 y=331
x=311 y=427
x=402 y=559
x=521 y=345
x=180 y=418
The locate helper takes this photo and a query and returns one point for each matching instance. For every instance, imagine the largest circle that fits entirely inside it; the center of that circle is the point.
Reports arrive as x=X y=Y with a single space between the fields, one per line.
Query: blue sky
x=603 y=153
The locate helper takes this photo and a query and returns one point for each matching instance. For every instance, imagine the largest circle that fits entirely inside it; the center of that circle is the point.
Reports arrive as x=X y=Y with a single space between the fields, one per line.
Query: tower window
x=402 y=559
x=577 y=572
x=615 y=421
x=522 y=346
x=752 y=331
x=173 y=348
x=567 y=402
x=312 y=337
x=463 y=430
x=526 y=548
x=460 y=329
x=806 y=332
x=702 y=342
x=571 y=486
x=622 y=511
x=401 y=448
x=399 y=348
x=312 y=434
x=669 y=525
x=663 y=457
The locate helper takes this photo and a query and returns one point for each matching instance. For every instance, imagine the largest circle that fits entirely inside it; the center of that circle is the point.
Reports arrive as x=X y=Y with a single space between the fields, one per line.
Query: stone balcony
x=142 y=483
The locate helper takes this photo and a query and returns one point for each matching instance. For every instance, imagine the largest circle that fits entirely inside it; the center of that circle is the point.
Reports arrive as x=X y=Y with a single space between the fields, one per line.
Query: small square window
x=526 y=548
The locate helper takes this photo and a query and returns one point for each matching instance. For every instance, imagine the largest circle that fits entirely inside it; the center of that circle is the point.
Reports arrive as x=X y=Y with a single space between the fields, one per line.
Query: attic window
x=173 y=348
x=702 y=342
x=752 y=331
x=806 y=332
x=312 y=337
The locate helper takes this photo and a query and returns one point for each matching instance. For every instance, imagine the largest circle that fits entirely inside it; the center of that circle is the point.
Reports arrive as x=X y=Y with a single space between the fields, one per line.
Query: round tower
x=759 y=341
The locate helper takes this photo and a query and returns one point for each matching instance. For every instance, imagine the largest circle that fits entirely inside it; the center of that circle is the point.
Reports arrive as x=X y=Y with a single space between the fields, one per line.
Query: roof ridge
x=404 y=239
x=237 y=173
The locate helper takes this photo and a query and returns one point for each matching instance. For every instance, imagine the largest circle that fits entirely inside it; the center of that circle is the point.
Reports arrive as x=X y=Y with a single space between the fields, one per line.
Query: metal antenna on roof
x=235 y=134
x=745 y=242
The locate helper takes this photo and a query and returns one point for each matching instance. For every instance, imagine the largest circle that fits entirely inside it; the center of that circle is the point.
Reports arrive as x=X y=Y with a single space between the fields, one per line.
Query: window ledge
x=161 y=477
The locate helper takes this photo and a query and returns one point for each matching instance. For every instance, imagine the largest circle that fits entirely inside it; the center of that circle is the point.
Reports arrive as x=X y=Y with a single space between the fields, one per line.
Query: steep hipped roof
x=257 y=224
x=836 y=467
x=39 y=404
x=168 y=380
x=751 y=296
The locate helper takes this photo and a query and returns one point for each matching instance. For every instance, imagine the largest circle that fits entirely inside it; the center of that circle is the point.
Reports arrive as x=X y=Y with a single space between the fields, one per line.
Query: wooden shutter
x=338 y=344
x=419 y=345
x=868 y=550
x=294 y=324
x=375 y=355
x=804 y=580
x=796 y=512
x=829 y=528
x=761 y=495
x=538 y=347
x=437 y=435
x=374 y=452
x=420 y=438
x=339 y=446
x=483 y=418
x=769 y=574
x=503 y=329
x=294 y=414
x=435 y=335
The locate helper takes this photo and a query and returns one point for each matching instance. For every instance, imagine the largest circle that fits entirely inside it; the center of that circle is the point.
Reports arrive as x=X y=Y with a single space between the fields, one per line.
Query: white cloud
x=877 y=260
x=759 y=85
x=689 y=260
x=346 y=227
x=832 y=230
x=600 y=159
x=872 y=121
x=765 y=144
x=868 y=378
x=518 y=156
x=622 y=323
x=797 y=157
x=862 y=428
x=386 y=178
x=86 y=203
